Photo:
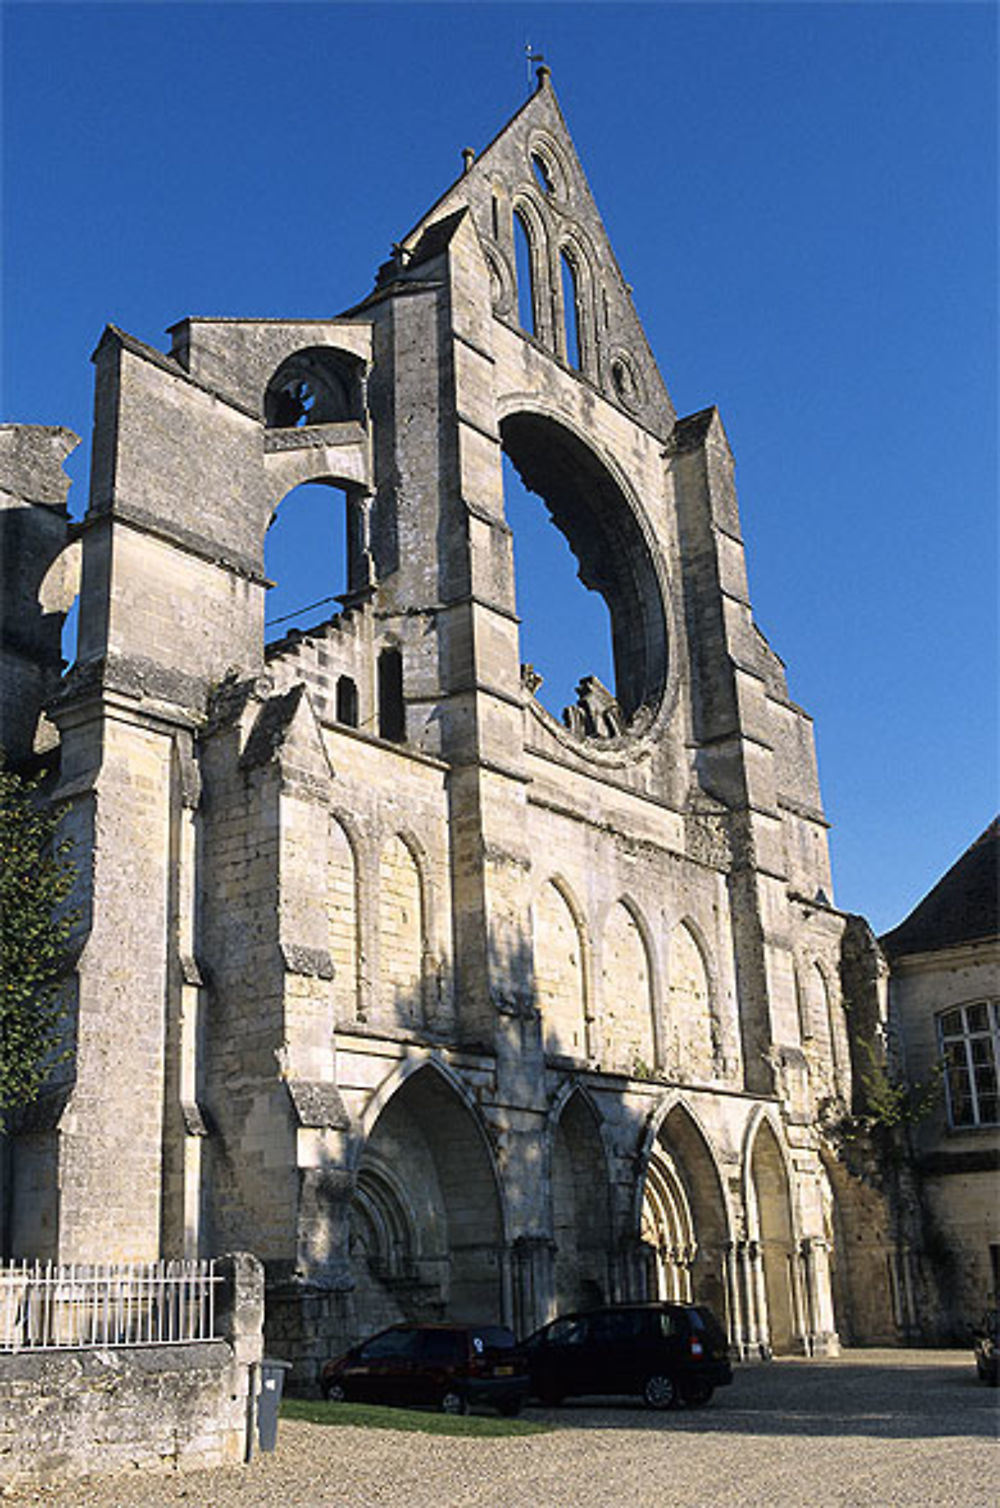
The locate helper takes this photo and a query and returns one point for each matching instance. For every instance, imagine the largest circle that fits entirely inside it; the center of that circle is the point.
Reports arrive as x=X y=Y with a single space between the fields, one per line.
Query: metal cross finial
x=532 y=57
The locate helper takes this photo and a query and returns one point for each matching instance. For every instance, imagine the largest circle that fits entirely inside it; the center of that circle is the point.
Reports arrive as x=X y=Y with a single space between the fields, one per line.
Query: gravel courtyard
x=873 y=1427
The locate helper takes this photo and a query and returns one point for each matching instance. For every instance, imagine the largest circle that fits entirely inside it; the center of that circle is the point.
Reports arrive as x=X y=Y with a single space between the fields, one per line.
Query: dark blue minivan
x=667 y=1353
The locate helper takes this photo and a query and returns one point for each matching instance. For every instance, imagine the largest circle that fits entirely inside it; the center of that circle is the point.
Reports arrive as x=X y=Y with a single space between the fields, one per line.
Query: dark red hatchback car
x=451 y=1367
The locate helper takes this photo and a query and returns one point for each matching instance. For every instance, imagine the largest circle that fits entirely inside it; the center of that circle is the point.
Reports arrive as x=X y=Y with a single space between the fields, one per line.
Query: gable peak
x=532 y=206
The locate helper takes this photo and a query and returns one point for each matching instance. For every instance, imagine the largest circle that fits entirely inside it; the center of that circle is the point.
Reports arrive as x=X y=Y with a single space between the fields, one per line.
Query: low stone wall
x=87 y=1412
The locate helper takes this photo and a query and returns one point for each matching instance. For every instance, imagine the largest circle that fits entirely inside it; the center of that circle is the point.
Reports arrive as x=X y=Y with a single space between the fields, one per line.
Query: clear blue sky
x=803 y=196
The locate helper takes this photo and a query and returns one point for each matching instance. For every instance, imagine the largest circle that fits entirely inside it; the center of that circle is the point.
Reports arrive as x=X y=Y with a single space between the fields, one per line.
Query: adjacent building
x=944 y=1001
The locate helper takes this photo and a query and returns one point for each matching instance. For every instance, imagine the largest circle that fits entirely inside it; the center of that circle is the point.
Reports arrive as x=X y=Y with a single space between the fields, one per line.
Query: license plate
x=503 y=1371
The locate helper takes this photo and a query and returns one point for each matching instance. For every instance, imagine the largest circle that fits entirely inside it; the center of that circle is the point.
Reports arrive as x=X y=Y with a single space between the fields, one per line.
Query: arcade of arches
x=434 y=1197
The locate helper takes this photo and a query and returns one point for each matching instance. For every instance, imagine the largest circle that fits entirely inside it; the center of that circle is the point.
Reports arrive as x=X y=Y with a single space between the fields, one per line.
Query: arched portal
x=426 y=1227
x=683 y=1223
x=771 y=1226
x=581 y=1216
x=668 y=1229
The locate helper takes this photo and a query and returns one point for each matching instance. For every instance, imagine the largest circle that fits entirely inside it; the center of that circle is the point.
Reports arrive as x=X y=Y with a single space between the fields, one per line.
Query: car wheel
x=333 y=1392
x=697 y=1393
x=659 y=1391
x=454 y=1402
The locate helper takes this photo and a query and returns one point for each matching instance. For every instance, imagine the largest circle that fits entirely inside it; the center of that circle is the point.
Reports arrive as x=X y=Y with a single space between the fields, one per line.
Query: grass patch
x=375 y=1416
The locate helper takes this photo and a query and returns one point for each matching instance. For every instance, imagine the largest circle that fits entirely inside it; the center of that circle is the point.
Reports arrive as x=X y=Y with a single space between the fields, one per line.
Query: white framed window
x=969 y=1037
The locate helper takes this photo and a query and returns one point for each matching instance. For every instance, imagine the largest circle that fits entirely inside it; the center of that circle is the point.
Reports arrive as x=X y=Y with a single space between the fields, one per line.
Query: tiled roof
x=962 y=908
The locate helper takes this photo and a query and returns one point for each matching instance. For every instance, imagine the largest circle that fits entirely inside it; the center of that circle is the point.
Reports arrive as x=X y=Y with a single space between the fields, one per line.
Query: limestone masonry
x=440 y=1005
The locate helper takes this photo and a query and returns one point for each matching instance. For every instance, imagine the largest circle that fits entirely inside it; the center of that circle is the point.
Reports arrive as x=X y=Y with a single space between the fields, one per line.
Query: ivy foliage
x=36 y=877
x=890 y=1103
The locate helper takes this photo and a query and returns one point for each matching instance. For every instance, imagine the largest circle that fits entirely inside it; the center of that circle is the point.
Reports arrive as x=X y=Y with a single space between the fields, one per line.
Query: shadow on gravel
x=882 y=1403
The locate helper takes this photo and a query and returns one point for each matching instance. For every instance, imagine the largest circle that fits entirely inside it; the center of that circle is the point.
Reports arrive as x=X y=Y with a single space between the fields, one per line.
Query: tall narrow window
x=391 y=712
x=525 y=281
x=970 y=1037
x=496 y=215
x=543 y=176
x=347 y=702
x=571 y=311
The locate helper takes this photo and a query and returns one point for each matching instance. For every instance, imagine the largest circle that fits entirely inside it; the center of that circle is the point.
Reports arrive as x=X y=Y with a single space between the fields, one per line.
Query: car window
x=493 y=1338
x=442 y=1345
x=668 y=1322
x=566 y=1332
x=391 y=1343
x=704 y=1319
x=617 y=1327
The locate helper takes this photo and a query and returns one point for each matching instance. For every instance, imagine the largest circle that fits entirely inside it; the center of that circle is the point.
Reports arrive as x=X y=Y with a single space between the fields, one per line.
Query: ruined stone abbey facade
x=439 y=1004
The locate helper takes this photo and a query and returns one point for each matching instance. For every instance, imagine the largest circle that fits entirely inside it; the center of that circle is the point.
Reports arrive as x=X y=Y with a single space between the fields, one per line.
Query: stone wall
x=75 y=1413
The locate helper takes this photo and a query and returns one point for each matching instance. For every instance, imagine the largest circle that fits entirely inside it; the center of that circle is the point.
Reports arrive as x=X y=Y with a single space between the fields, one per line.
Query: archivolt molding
x=565 y=889
x=649 y=1138
x=543 y=145
x=419 y=1060
x=379 y=1211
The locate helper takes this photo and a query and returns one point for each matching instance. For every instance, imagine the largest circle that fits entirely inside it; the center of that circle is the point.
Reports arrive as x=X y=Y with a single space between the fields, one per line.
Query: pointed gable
x=530 y=173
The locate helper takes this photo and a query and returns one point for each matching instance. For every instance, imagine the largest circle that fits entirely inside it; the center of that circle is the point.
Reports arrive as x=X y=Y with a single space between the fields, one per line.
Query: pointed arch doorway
x=684 y=1227
x=770 y=1214
x=426 y=1228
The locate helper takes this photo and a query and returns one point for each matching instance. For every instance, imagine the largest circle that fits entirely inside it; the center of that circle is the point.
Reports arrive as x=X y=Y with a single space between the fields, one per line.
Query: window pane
x=988 y=1109
x=571 y=308
x=986 y=1079
x=442 y=1345
x=976 y=1016
x=392 y=1343
x=951 y=1024
x=523 y=269
x=982 y=1050
x=567 y=1332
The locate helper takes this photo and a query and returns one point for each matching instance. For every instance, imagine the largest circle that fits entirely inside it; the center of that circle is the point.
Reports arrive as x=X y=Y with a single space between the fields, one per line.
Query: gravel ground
x=873 y=1427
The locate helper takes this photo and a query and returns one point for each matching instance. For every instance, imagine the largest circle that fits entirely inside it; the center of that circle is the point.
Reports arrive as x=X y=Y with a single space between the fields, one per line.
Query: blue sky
x=804 y=197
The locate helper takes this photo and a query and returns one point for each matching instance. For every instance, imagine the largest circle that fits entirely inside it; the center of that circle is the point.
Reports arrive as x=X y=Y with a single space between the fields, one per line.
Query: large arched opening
x=426 y=1231
x=683 y=1223
x=770 y=1214
x=306 y=558
x=581 y=1218
x=602 y=652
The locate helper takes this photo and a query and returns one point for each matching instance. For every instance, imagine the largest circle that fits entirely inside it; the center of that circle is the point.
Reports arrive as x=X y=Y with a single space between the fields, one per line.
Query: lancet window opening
x=525 y=272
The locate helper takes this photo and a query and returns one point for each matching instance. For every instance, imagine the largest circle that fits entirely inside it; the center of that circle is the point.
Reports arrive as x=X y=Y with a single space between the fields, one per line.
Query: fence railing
x=46 y=1306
